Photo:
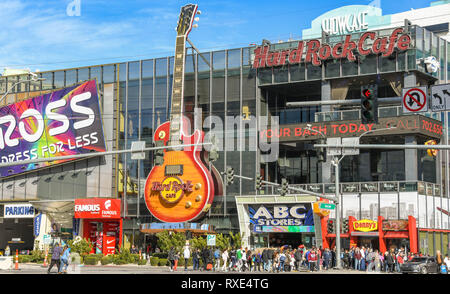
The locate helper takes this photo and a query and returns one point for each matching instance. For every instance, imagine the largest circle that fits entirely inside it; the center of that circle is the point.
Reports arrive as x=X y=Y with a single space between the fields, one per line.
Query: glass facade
x=136 y=98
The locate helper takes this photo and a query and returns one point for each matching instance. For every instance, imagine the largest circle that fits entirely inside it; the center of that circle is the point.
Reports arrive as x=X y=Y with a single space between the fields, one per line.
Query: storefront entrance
x=368 y=242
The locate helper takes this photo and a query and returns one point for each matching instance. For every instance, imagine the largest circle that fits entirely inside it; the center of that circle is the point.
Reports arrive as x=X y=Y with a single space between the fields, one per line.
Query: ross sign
x=172 y=189
x=64 y=122
x=315 y=52
x=405 y=124
x=440 y=97
x=37 y=225
x=395 y=225
x=23 y=210
x=97 y=208
x=289 y=216
x=211 y=240
x=365 y=225
x=414 y=100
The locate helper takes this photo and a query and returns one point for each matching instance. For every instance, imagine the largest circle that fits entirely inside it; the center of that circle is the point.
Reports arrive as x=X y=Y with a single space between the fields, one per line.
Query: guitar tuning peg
x=197 y=18
x=195 y=25
x=199 y=12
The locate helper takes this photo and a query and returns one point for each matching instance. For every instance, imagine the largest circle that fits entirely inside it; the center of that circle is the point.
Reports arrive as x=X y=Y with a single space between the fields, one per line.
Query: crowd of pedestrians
x=286 y=258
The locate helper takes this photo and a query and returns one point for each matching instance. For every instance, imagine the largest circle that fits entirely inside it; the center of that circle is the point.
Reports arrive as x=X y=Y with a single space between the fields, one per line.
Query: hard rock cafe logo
x=172 y=189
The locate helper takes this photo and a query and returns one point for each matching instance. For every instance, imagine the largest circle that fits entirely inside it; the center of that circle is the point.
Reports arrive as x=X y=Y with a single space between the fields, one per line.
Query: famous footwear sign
x=315 y=52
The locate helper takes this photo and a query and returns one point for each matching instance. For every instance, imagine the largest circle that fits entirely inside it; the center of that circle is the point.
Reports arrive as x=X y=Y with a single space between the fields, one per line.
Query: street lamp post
x=34 y=78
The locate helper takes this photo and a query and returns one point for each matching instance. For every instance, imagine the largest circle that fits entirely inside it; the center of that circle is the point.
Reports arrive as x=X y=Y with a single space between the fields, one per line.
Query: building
x=243 y=87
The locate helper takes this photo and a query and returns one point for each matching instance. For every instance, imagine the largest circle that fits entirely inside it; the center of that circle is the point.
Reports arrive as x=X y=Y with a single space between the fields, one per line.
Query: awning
x=59 y=211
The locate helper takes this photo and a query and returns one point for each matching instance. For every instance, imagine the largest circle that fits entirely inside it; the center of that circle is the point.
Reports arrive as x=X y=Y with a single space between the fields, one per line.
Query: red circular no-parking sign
x=417 y=99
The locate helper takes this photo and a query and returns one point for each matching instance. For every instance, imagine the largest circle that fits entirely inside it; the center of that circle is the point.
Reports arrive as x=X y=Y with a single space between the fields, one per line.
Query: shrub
x=107 y=260
x=90 y=259
x=142 y=262
x=39 y=255
x=160 y=254
x=134 y=258
x=24 y=258
x=163 y=262
x=154 y=261
x=82 y=247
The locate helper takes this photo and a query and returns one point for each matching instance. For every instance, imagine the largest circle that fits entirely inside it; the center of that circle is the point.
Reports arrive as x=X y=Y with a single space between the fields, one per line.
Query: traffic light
x=369 y=104
x=331 y=226
x=284 y=187
x=345 y=226
x=321 y=152
x=229 y=175
x=158 y=154
x=258 y=183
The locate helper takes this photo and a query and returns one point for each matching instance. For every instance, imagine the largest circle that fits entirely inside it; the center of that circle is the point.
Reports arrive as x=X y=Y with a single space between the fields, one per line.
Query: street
x=146 y=269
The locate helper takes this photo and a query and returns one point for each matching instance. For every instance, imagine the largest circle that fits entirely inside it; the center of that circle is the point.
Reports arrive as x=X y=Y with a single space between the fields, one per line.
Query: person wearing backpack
x=217 y=259
x=282 y=261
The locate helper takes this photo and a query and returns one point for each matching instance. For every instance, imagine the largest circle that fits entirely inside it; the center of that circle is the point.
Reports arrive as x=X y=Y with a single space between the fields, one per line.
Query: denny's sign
x=365 y=225
x=315 y=52
x=405 y=124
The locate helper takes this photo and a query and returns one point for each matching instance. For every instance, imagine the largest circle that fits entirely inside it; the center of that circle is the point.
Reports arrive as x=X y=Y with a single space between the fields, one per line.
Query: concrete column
x=411 y=171
x=326 y=96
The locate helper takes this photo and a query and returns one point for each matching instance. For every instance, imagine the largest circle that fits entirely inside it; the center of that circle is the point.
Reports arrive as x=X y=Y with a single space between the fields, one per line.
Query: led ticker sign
x=403 y=125
x=64 y=122
x=315 y=52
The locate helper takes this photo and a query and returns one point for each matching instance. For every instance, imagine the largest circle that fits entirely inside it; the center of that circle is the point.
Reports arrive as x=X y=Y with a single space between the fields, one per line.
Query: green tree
x=167 y=240
x=198 y=242
x=82 y=247
x=236 y=239
x=223 y=242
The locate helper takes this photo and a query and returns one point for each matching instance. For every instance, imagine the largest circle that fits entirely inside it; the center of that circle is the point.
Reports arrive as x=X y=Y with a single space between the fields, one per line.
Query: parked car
x=422 y=265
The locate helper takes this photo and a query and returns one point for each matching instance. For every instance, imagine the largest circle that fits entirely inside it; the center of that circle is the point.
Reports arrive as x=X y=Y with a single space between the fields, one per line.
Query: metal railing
x=423 y=188
x=355 y=114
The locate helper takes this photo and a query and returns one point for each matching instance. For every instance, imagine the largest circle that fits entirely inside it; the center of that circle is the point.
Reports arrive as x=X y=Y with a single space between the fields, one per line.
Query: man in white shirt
x=187 y=255
x=224 y=258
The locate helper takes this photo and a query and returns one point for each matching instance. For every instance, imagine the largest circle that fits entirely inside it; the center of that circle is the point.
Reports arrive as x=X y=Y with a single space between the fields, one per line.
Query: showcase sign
x=395 y=225
x=405 y=124
x=97 y=208
x=365 y=225
x=19 y=211
x=64 y=122
x=282 y=217
x=315 y=52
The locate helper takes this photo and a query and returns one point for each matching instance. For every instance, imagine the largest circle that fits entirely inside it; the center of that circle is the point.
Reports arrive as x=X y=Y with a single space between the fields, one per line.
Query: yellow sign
x=365 y=225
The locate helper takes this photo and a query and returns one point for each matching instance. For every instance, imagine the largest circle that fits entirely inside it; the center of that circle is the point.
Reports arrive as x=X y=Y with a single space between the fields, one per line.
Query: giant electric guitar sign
x=315 y=52
x=64 y=122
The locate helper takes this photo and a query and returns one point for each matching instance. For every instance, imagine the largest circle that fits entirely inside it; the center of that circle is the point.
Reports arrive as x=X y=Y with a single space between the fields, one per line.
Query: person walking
x=224 y=259
x=175 y=261
x=216 y=259
x=282 y=259
x=56 y=254
x=258 y=260
x=447 y=262
x=195 y=260
x=186 y=255
x=326 y=259
x=312 y=260
x=357 y=258
x=362 y=266
x=232 y=259
x=391 y=261
x=171 y=257
x=439 y=259
x=64 y=260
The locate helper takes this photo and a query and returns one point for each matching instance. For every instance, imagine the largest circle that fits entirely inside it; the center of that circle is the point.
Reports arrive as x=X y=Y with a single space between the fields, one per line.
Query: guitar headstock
x=186 y=19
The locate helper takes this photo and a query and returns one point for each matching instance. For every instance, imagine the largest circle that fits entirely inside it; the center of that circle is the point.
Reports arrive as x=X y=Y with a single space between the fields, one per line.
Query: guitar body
x=181 y=189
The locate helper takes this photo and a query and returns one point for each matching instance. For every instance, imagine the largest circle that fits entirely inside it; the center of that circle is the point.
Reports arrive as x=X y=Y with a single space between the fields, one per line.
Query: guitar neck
x=177 y=91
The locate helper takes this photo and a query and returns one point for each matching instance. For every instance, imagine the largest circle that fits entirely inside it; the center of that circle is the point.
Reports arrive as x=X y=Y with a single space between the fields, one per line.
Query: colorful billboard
x=64 y=122
x=97 y=208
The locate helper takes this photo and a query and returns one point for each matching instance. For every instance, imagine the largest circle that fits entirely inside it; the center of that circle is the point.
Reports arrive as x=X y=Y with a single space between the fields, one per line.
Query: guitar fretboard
x=177 y=92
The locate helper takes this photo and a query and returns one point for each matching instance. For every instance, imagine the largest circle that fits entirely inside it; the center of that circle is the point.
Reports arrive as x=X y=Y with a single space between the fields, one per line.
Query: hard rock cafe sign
x=172 y=189
x=315 y=52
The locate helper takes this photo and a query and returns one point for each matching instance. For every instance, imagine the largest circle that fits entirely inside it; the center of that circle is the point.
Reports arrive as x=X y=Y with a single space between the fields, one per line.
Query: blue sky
x=40 y=35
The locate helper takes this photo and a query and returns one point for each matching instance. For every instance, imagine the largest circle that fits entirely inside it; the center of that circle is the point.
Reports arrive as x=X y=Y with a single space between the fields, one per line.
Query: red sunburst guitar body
x=182 y=187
